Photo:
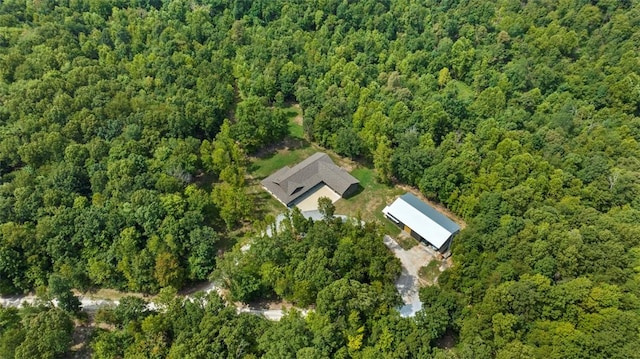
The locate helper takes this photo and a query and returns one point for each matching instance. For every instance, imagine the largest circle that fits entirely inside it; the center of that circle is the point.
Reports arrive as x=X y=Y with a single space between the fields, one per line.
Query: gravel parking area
x=408 y=283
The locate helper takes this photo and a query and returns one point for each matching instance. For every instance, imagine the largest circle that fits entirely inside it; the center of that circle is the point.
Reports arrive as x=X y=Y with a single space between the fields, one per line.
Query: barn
x=422 y=221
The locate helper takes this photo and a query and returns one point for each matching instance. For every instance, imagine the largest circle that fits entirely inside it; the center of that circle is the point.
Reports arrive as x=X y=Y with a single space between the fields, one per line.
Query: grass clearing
x=290 y=151
x=296 y=130
x=263 y=167
x=294 y=113
x=108 y=294
x=293 y=149
x=366 y=176
x=367 y=203
x=371 y=199
x=430 y=272
x=265 y=204
x=390 y=228
x=405 y=241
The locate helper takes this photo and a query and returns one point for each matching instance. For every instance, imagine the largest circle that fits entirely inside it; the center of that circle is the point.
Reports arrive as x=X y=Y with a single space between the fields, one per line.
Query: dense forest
x=124 y=133
x=302 y=257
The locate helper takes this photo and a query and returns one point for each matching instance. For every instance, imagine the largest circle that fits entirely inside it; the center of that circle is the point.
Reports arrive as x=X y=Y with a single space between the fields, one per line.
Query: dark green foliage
x=258 y=125
x=326 y=207
x=34 y=333
x=60 y=289
x=299 y=262
x=113 y=109
x=286 y=338
x=11 y=332
x=130 y=309
x=521 y=117
x=201 y=327
x=205 y=326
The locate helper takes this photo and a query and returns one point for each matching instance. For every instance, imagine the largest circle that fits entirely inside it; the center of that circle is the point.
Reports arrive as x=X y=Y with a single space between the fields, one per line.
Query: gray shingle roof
x=287 y=184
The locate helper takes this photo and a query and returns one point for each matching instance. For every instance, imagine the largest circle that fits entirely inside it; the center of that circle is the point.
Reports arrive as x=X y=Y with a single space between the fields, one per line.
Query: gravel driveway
x=408 y=283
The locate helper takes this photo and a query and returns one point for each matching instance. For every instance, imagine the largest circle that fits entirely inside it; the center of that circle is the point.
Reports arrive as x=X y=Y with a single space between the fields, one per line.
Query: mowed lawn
x=295 y=121
x=292 y=150
x=262 y=167
x=367 y=203
x=371 y=200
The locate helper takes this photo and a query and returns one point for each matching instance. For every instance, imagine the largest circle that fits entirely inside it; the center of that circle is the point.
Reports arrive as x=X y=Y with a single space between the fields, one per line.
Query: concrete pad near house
x=309 y=202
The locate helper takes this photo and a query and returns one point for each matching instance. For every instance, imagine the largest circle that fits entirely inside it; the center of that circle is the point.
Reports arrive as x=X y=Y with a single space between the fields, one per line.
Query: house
x=314 y=174
x=422 y=221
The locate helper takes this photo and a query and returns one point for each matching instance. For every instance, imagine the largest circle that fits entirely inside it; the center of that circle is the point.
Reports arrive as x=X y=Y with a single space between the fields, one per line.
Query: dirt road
x=92 y=304
x=408 y=284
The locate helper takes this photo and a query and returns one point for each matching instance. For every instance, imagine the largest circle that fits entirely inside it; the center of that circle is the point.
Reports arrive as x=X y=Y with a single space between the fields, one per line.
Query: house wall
x=416 y=236
x=351 y=190
x=445 y=247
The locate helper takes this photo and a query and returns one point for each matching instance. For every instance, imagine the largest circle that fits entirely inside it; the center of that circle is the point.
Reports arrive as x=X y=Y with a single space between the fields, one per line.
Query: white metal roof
x=420 y=223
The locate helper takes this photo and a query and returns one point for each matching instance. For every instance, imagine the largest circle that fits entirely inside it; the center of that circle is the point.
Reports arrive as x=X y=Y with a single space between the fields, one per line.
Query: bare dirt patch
x=298 y=119
x=429 y=273
x=80 y=348
x=108 y=294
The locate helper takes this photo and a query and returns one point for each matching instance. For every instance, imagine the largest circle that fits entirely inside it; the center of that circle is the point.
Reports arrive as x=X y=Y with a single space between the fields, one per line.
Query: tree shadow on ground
x=269 y=152
x=289 y=143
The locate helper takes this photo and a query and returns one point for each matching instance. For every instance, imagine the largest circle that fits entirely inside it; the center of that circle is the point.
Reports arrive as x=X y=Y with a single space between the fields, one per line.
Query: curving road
x=407 y=284
x=91 y=304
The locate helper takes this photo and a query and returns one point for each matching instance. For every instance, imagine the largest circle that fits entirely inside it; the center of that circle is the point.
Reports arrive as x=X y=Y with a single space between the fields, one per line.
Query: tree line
x=523 y=118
